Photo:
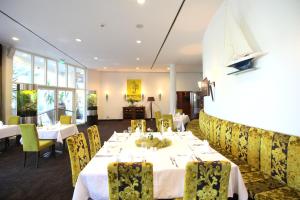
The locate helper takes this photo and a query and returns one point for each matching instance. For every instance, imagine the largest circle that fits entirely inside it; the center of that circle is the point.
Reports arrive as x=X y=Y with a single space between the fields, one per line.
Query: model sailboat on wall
x=240 y=54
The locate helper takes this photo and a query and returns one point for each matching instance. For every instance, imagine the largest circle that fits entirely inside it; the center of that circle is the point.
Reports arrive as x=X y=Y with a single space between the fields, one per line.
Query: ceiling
x=61 y=22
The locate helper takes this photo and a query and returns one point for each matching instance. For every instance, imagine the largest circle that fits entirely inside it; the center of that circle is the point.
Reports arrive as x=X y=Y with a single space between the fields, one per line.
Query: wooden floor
x=52 y=180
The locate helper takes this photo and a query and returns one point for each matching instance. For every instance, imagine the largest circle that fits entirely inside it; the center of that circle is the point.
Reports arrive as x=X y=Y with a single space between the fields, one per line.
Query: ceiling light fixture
x=139 y=26
x=141 y=1
x=15 y=38
x=137 y=58
x=139 y=41
x=78 y=40
x=168 y=68
x=137 y=68
x=104 y=67
x=95 y=58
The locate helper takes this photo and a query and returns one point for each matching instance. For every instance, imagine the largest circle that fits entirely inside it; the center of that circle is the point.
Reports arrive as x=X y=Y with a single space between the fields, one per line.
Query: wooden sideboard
x=134 y=112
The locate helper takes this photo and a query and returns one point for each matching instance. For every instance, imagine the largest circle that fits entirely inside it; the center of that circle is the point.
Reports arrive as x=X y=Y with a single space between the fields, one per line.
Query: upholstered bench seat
x=285 y=193
x=245 y=168
x=257 y=187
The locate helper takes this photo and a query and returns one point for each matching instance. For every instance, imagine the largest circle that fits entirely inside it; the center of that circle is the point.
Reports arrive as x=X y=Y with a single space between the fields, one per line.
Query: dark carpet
x=52 y=180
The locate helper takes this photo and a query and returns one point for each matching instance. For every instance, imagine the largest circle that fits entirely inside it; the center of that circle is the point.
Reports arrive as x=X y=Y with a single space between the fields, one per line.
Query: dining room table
x=9 y=131
x=169 y=164
x=57 y=132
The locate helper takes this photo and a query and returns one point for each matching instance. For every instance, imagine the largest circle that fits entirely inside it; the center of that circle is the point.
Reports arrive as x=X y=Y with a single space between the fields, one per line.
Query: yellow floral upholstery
x=157 y=115
x=130 y=181
x=285 y=193
x=94 y=139
x=180 y=111
x=65 y=119
x=253 y=156
x=165 y=124
x=269 y=161
x=207 y=180
x=293 y=163
x=138 y=123
x=79 y=154
x=193 y=126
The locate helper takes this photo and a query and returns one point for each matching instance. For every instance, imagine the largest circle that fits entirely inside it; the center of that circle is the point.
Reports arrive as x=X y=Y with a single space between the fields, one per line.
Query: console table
x=134 y=112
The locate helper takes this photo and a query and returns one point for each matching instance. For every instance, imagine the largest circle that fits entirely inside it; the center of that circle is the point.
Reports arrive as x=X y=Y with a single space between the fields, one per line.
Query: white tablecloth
x=180 y=121
x=57 y=132
x=168 y=178
x=9 y=130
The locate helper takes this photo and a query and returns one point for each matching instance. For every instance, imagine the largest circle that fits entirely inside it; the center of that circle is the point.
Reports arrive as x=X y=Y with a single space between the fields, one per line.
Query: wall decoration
x=134 y=90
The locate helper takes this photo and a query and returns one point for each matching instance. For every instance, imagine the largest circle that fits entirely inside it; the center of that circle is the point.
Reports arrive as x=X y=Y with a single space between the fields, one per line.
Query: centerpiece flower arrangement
x=151 y=141
x=131 y=101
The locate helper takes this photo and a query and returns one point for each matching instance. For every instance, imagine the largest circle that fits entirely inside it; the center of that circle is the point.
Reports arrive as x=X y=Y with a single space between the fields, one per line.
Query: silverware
x=174 y=162
x=103 y=155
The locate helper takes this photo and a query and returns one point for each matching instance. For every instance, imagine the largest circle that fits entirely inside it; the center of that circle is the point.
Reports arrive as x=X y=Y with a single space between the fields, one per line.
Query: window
x=51 y=73
x=22 y=68
x=66 y=94
x=71 y=77
x=62 y=75
x=80 y=78
x=39 y=70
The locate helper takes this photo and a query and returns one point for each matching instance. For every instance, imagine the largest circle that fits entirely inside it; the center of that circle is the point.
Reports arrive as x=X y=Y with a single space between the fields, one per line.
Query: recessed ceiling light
x=168 y=68
x=78 y=40
x=139 y=41
x=137 y=58
x=139 y=26
x=95 y=58
x=137 y=68
x=104 y=67
x=15 y=38
x=141 y=1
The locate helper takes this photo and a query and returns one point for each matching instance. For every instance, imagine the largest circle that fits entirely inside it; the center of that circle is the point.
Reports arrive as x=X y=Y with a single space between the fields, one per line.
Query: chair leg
x=37 y=159
x=53 y=150
x=6 y=144
x=25 y=156
x=18 y=137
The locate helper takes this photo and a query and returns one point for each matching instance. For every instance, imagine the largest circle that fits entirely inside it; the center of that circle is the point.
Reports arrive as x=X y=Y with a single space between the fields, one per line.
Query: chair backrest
x=94 y=139
x=141 y=123
x=79 y=154
x=13 y=120
x=29 y=137
x=170 y=117
x=293 y=163
x=65 y=119
x=165 y=124
x=207 y=180
x=157 y=115
x=130 y=181
x=180 y=111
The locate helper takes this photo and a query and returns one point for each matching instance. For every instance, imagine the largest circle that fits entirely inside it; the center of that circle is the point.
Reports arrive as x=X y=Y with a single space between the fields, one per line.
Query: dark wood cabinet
x=134 y=112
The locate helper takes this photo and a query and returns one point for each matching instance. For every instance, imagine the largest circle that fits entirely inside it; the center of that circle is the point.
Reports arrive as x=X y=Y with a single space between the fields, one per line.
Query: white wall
x=269 y=96
x=152 y=84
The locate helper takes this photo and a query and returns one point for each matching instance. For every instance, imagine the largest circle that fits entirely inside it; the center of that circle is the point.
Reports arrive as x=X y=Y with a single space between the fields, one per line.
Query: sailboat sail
x=236 y=44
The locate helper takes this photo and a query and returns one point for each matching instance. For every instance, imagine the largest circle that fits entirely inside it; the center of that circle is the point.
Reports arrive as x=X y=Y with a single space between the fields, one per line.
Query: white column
x=173 y=98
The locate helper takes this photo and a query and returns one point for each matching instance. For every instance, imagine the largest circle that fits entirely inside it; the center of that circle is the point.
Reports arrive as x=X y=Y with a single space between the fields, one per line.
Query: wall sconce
x=205 y=87
x=106 y=96
x=143 y=97
x=159 y=96
x=124 y=96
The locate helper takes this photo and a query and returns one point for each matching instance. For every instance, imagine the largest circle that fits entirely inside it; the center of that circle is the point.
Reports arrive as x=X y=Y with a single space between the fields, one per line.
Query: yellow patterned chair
x=138 y=123
x=130 y=181
x=165 y=124
x=180 y=111
x=207 y=180
x=94 y=139
x=78 y=153
x=169 y=117
x=157 y=115
x=65 y=119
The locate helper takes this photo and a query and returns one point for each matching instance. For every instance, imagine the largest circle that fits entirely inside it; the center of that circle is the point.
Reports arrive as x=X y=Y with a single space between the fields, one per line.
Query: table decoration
x=154 y=142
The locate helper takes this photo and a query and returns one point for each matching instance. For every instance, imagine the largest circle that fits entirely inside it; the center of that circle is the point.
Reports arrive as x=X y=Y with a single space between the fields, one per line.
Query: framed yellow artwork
x=134 y=90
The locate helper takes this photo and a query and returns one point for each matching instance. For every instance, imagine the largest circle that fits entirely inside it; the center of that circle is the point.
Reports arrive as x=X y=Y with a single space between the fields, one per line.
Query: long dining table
x=168 y=165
